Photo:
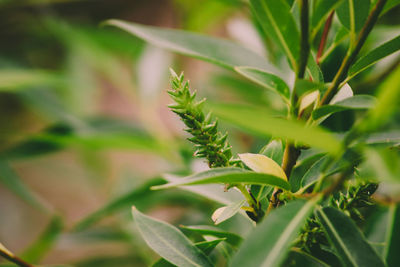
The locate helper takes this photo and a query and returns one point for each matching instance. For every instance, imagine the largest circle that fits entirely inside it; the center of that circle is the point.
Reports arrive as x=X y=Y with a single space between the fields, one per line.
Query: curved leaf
x=374 y=56
x=259 y=121
x=231 y=175
x=322 y=10
x=270 y=241
x=206 y=230
x=224 y=213
x=277 y=21
x=353 y=13
x=263 y=164
x=218 y=51
x=355 y=102
x=347 y=239
x=169 y=242
x=265 y=79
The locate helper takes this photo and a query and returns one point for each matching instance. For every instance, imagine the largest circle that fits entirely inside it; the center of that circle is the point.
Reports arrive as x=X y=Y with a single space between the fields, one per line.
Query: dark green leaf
x=231 y=175
x=374 y=56
x=322 y=10
x=389 y=5
x=392 y=248
x=274 y=150
x=221 y=52
x=353 y=13
x=261 y=122
x=314 y=173
x=350 y=244
x=169 y=242
x=299 y=258
x=265 y=79
x=354 y=102
x=277 y=21
x=270 y=241
x=206 y=230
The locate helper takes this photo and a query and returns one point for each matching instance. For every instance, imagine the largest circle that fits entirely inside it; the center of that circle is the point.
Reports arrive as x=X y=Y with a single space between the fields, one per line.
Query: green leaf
x=218 y=51
x=206 y=230
x=265 y=79
x=231 y=175
x=353 y=14
x=299 y=258
x=270 y=241
x=355 y=102
x=387 y=137
x=224 y=213
x=277 y=21
x=350 y=244
x=169 y=242
x=321 y=12
x=389 y=5
x=206 y=246
x=259 y=121
x=305 y=86
x=392 y=248
x=374 y=56
x=17 y=79
x=35 y=252
x=263 y=164
x=10 y=179
x=122 y=202
x=314 y=173
x=274 y=150
x=301 y=168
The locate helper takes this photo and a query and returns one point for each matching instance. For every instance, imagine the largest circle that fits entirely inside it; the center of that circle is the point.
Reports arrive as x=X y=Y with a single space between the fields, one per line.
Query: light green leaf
x=374 y=56
x=355 y=102
x=10 y=179
x=261 y=122
x=206 y=230
x=206 y=246
x=353 y=13
x=274 y=150
x=115 y=205
x=169 y=242
x=265 y=79
x=231 y=175
x=277 y=21
x=303 y=86
x=270 y=241
x=387 y=137
x=224 y=213
x=263 y=164
x=218 y=51
x=35 y=252
x=392 y=247
x=17 y=79
x=380 y=165
x=350 y=244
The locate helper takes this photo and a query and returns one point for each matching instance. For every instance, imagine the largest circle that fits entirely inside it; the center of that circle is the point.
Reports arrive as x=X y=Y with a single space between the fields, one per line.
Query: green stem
x=350 y=57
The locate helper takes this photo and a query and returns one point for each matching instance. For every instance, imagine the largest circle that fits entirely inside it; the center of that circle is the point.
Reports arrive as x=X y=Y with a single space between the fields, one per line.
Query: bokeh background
x=84 y=121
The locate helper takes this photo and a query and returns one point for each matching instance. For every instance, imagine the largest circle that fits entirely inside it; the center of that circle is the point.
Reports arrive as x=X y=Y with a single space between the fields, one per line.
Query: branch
x=350 y=58
x=8 y=255
x=304 y=41
x=324 y=37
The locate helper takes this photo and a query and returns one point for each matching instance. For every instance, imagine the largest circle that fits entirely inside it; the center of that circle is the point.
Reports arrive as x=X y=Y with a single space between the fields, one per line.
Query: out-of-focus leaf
x=277 y=21
x=376 y=227
x=374 y=56
x=265 y=79
x=115 y=205
x=169 y=242
x=11 y=80
x=353 y=13
x=270 y=241
x=387 y=137
x=263 y=164
x=206 y=246
x=224 y=213
x=35 y=252
x=230 y=175
x=261 y=122
x=10 y=179
x=380 y=165
x=321 y=12
x=299 y=258
x=355 y=102
x=392 y=247
x=389 y=5
x=206 y=230
x=218 y=51
x=350 y=244
x=305 y=86
x=344 y=92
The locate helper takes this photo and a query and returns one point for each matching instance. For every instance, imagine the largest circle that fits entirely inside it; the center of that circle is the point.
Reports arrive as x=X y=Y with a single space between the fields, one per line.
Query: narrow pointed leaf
x=392 y=248
x=230 y=175
x=278 y=22
x=270 y=241
x=374 y=56
x=224 y=213
x=206 y=230
x=169 y=242
x=218 y=51
x=353 y=13
x=300 y=258
x=265 y=79
x=350 y=244
x=355 y=102
x=322 y=10
x=261 y=122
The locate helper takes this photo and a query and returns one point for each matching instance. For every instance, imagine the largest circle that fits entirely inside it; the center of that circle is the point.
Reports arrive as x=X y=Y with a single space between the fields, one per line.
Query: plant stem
x=304 y=41
x=350 y=57
x=8 y=255
x=324 y=37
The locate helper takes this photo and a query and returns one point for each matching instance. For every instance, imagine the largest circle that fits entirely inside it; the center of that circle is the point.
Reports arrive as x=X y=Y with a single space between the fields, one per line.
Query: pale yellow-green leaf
x=262 y=163
x=308 y=99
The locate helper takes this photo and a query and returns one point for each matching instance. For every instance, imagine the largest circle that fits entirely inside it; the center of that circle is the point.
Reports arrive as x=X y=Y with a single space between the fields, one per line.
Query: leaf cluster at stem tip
x=209 y=142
